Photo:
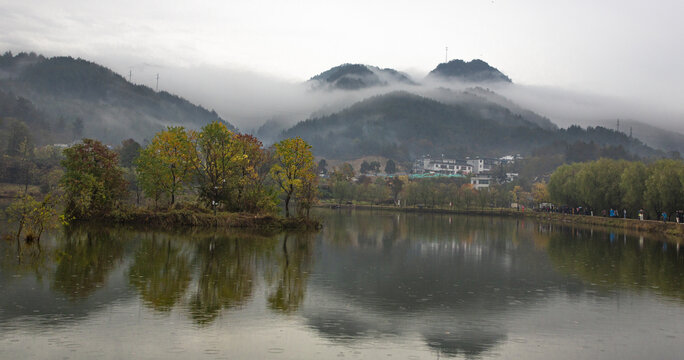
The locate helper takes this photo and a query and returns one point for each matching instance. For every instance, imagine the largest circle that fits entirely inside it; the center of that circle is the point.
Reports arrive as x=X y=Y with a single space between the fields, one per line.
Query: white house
x=481 y=181
x=441 y=166
x=481 y=165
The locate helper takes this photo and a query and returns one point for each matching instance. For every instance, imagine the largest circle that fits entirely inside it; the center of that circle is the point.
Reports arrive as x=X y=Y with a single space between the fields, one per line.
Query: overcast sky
x=627 y=49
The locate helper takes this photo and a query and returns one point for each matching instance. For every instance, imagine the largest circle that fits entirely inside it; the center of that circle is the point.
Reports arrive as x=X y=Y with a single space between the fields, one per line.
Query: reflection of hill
x=609 y=260
x=458 y=277
x=469 y=343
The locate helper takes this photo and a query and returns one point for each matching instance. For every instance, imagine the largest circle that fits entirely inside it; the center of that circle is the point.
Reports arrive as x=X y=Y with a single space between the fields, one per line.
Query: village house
x=481 y=165
x=481 y=181
x=441 y=166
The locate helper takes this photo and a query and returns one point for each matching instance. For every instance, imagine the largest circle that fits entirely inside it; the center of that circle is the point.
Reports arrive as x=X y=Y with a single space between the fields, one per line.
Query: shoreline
x=185 y=218
x=672 y=231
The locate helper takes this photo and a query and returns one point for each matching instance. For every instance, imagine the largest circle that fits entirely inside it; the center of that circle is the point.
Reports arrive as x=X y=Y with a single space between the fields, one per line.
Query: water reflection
x=613 y=260
x=291 y=273
x=85 y=258
x=161 y=271
x=451 y=285
x=458 y=280
x=226 y=274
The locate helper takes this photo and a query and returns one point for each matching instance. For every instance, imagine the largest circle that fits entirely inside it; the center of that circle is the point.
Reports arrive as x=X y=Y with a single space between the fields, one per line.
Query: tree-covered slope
x=357 y=76
x=471 y=71
x=111 y=109
x=403 y=126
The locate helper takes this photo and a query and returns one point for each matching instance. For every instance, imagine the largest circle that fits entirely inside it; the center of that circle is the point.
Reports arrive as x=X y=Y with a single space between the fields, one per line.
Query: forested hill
x=67 y=91
x=471 y=71
x=357 y=76
x=402 y=126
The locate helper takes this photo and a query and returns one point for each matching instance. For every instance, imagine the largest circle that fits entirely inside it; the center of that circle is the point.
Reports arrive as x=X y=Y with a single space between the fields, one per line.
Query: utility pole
x=157 y=88
x=130 y=74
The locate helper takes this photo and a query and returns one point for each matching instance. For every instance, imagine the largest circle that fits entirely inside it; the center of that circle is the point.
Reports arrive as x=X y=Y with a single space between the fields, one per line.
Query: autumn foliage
x=221 y=169
x=93 y=181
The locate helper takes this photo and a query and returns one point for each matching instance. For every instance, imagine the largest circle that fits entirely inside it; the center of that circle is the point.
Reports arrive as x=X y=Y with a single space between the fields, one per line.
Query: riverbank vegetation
x=439 y=192
x=588 y=188
x=210 y=177
x=624 y=186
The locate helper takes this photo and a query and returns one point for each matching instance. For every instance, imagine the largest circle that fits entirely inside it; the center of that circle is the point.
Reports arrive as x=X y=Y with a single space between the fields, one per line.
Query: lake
x=370 y=285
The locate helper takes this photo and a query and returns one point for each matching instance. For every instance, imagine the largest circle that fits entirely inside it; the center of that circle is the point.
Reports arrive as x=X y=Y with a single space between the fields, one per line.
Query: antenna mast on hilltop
x=618 y=125
x=157 y=87
x=446 y=54
x=130 y=73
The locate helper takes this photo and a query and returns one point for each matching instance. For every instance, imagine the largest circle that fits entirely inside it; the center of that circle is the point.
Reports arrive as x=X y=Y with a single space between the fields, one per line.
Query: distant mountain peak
x=358 y=76
x=472 y=71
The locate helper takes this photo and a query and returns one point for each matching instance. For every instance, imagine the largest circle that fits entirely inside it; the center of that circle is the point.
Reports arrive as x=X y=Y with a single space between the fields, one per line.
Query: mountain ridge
x=402 y=126
x=110 y=107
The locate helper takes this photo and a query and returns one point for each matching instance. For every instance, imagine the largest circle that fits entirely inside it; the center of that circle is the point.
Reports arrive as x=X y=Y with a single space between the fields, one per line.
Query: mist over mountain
x=110 y=108
x=403 y=126
x=480 y=96
x=358 y=76
x=352 y=109
x=474 y=71
x=656 y=137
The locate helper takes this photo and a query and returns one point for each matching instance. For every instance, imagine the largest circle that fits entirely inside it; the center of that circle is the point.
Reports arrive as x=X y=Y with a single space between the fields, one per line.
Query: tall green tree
x=396 y=185
x=375 y=166
x=365 y=167
x=294 y=168
x=19 y=134
x=390 y=167
x=218 y=165
x=165 y=164
x=599 y=184
x=129 y=152
x=664 y=190
x=633 y=185
x=254 y=193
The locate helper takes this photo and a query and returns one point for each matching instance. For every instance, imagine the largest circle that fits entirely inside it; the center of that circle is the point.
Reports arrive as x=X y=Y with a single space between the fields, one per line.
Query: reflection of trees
x=161 y=272
x=226 y=276
x=609 y=260
x=29 y=259
x=294 y=266
x=85 y=259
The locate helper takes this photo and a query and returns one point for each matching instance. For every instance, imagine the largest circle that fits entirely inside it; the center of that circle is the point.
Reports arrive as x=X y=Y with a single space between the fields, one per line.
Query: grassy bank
x=670 y=230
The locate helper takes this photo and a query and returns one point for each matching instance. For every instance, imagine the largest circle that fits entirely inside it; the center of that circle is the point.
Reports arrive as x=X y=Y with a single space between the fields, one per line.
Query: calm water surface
x=370 y=285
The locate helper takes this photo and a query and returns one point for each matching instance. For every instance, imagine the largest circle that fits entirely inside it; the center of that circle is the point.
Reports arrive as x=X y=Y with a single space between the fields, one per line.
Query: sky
x=628 y=50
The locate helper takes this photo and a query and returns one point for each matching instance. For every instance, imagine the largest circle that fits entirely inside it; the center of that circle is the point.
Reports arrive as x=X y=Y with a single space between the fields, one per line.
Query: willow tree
x=294 y=171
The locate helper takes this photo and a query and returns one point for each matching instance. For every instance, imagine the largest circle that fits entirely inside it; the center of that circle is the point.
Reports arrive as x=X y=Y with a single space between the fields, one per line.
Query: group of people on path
x=677 y=217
